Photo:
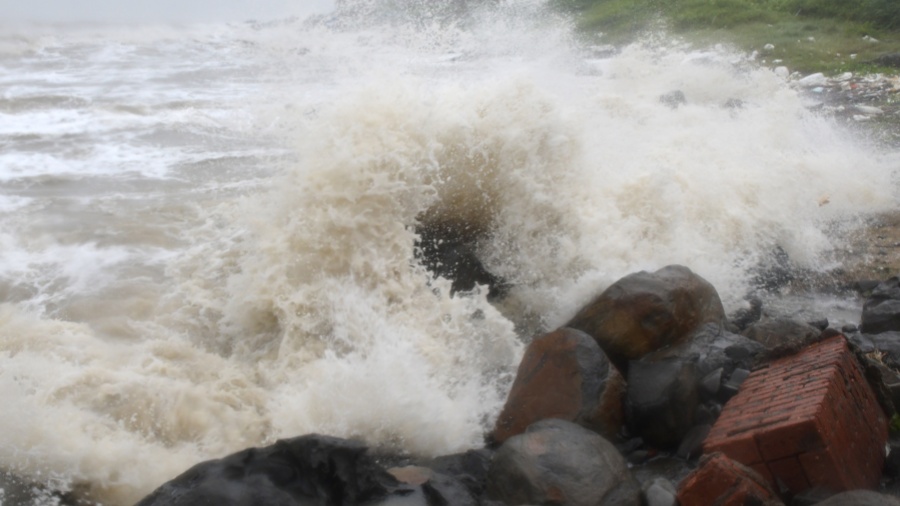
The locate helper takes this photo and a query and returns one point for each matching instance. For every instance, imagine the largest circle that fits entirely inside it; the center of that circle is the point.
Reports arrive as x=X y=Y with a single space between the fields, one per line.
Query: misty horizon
x=157 y=11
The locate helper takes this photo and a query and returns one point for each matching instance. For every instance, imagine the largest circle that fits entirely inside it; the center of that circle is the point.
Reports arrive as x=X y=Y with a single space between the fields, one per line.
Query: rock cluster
x=627 y=404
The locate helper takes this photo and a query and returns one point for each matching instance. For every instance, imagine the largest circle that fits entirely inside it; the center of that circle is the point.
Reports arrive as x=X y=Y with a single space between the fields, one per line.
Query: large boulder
x=559 y=462
x=643 y=312
x=305 y=471
x=565 y=375
x=881 y=311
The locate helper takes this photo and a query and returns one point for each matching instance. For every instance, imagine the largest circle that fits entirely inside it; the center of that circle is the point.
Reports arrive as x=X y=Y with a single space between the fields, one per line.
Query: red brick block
x=808 y=420
x=721 y=481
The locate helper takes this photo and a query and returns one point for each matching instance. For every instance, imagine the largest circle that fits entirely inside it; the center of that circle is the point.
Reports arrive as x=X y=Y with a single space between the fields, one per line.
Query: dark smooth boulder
x=564 y=375
x=881 y=311
x=310 y=470
x=782 y=336
x=644 y=312
x=559 y=462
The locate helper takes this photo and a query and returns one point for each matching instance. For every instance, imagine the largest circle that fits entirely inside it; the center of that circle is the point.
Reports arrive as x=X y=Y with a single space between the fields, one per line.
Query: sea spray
x=252 y=272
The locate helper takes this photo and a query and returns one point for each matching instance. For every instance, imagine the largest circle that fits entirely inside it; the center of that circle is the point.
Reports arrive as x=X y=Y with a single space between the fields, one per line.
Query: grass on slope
x=830 y=36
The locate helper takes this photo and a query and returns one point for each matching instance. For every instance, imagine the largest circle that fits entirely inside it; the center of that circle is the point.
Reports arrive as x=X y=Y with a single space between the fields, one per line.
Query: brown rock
x=721 y=481
x=564 y=375
x=643 y=312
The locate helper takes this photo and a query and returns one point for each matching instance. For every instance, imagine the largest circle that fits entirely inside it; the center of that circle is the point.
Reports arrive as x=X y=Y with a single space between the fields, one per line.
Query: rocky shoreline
x=637 y=400
x=618 y=406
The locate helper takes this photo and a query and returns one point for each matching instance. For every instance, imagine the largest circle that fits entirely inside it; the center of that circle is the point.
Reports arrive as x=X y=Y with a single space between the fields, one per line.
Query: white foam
x=229 y=307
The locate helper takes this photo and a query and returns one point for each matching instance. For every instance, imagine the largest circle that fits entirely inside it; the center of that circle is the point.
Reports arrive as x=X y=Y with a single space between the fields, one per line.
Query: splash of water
x=232 y=310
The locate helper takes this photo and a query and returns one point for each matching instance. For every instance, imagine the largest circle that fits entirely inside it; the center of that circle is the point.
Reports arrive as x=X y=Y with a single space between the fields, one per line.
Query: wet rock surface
x=644 y=311
x=564 y=375
x=558 y=462
x=675 y=397
x=307 y=470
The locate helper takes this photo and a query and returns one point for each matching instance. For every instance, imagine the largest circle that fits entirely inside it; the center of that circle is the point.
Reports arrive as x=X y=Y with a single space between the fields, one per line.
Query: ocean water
x=208 y=232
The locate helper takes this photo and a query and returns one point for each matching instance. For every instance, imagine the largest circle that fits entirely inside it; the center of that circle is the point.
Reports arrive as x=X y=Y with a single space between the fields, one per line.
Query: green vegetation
x=830 y=36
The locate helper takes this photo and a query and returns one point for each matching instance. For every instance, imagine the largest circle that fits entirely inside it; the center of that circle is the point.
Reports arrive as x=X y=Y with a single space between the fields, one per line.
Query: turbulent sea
x=208 y=233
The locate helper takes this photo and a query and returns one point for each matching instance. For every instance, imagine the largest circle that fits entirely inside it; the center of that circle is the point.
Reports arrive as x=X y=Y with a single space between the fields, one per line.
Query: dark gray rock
x=470 y=468
x=782 y=336
x=730 y=388
x=309 y=470
x=664 y=389
x=811 y=496
x=886 y=345
x=888 y=60
x=892 y=461
x=711 y=347
x=692 y=444
x=881 y=311
x=821 y=323
x=559 y=462
x=746 y=316
x=710 y=384
x=707 y=413
x=661 y=399
x=860 y=498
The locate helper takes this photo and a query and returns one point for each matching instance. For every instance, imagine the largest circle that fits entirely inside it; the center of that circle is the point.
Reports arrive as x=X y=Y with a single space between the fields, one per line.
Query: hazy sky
x=157 y=10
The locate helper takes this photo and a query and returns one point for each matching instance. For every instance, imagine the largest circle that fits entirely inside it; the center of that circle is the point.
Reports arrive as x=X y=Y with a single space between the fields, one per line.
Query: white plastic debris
x=817 y=79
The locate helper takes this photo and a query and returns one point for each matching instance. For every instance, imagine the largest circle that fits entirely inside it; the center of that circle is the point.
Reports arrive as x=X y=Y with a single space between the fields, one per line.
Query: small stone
x=769 y=47
x=820 y=324
x=731 y=387
x=660 y=492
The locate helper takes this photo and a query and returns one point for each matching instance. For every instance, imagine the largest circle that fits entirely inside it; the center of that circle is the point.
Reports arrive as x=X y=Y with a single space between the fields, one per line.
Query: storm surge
x=218 y=241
